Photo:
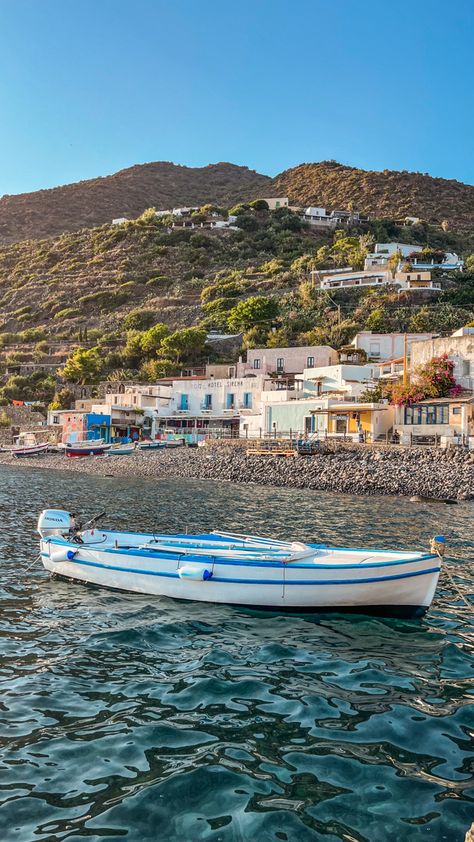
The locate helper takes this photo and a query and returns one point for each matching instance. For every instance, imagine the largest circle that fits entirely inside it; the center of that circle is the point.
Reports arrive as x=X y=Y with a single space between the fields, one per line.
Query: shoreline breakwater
x=353 y=469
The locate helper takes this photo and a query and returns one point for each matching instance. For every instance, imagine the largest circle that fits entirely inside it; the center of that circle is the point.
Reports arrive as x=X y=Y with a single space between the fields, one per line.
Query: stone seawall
x=427 y=472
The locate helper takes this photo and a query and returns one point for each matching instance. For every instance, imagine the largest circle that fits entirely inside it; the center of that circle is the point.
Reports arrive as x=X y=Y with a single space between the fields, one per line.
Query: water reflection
x=126 y=716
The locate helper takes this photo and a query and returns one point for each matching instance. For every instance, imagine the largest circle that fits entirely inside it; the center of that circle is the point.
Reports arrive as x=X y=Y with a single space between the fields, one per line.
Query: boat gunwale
x=288 y=564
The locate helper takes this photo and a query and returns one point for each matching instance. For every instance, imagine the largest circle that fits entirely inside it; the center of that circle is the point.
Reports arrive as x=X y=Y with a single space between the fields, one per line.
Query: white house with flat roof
x=447 y=420
x=275 y=203
x=384 y=251
x=386 y=346
x=350 y=380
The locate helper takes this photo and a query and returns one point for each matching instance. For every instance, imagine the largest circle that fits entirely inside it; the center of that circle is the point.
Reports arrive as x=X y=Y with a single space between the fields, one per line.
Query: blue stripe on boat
x=210 y=559
x=257 y=581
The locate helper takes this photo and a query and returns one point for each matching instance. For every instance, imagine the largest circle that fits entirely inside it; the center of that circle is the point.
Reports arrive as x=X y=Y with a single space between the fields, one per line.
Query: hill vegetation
x=87 y=204
x=387 y=194
x=127 y=193
x=137 y=300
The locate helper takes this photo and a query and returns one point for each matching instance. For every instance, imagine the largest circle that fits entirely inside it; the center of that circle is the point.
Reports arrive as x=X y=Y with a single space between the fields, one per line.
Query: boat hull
x=403 y=588
x=33 y=450
x=72 y=451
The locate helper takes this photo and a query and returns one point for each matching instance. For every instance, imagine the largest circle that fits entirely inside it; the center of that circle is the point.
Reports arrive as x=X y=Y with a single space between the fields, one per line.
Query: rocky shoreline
x=421 y=472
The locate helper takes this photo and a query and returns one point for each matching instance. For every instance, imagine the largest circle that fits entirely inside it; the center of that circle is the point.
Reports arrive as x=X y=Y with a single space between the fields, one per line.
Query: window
x=310 y=362
x=428 y=414
x=208 y=402
x=230 y=401
x=55 y=419
x=456 y=410
x=443 y=414
x=466 y=368
x=256 y=363
x=184 y=402
x=247 y=400
x=280 y=364
x=374 y=349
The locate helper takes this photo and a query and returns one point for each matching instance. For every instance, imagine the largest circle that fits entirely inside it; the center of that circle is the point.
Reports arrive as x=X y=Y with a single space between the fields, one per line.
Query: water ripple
x=125 y=717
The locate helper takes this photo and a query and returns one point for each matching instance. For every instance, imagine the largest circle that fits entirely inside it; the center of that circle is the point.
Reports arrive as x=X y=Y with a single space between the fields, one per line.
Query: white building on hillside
x=286 y=361
x=201 y=405
x=383 y=252
x=459 y=349
x=386 y=346
x=275 y=203
x=449 y=263
x=418 y=281
x=344 y=378
x=135 y=410
x=324 y=219
x=356 y=278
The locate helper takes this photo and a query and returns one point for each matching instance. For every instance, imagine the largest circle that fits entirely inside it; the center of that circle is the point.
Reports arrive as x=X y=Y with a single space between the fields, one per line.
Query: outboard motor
x=56 y=522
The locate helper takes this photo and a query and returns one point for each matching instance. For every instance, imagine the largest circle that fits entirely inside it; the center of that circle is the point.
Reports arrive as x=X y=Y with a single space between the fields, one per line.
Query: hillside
x=389 y=195
x=106 y=287
x=386 y=194
x=128 y=193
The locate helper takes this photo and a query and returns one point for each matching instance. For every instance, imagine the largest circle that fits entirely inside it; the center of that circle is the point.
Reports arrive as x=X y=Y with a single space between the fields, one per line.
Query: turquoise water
x=129 y=718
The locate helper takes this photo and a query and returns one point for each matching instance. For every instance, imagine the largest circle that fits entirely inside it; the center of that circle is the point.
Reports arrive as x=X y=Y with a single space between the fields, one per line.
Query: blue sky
x=88 y=87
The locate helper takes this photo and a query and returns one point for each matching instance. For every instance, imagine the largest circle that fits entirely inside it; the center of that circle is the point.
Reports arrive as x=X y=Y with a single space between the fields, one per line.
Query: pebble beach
x=411 y=472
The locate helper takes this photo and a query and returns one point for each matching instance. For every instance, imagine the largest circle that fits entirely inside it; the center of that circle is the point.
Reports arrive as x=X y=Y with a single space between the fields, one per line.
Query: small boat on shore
x=244 y=570
x=86 y=448
x=27 y=444
x=150 y=445
x=121 y=450
x=30 y=450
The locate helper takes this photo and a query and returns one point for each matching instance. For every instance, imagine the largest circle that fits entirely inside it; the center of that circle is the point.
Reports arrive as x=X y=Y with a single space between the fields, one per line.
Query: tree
x=154 y=369
x=277 y=338
x=259 y=205
x=152 y=338
x=377 y=320
x=254 y=337
x=421 y=321
x=253 y=311
x=63 y=399
x=82 y=366
x=246 y=222
x=132 y=354
x=469 y=263
x=237 y=210
x=185 y=344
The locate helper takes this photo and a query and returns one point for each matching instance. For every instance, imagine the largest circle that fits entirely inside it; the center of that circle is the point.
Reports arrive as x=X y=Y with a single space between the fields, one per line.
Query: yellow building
x=367 y=421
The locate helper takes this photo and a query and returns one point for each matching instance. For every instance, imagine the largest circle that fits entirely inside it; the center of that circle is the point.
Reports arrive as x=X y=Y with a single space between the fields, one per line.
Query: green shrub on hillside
x=139 y=319
x=31 y=334
x=67 y=313
x=159 y=281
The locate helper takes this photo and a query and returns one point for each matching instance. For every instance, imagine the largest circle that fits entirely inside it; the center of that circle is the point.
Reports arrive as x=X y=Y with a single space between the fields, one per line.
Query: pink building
x=286 y=361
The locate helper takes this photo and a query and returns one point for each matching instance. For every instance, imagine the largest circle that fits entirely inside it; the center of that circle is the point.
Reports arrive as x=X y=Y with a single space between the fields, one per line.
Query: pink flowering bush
x=433 y=380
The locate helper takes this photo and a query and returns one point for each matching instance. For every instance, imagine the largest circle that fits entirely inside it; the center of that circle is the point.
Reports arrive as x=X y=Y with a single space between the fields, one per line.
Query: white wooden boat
x=121 y=450
x=90 y=447
x=154 y=444
x=242 y=570
x=29 y=450
x=28 y=444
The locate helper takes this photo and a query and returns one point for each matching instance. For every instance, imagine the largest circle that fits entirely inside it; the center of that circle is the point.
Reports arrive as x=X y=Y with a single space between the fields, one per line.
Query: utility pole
x=404 y=359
